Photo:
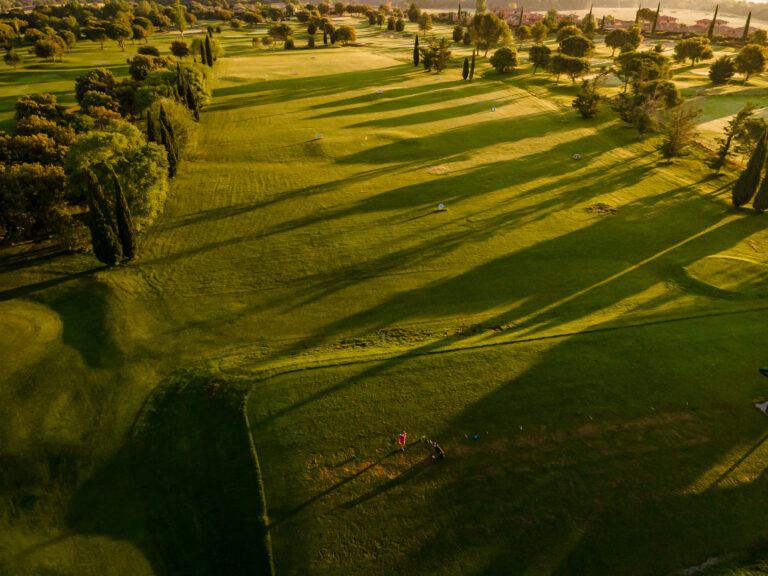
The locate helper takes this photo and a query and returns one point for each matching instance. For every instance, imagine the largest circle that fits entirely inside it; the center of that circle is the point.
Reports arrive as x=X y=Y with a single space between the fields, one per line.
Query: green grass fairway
x=308 y=291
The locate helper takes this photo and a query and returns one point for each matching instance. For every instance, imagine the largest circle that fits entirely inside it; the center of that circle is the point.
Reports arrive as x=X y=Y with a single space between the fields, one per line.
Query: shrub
x=180 y=49
x=722 y=70
x=289 y=44
x=149 y=51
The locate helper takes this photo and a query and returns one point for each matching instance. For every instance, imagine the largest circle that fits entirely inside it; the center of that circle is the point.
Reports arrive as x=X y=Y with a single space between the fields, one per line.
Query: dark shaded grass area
x=186 y=486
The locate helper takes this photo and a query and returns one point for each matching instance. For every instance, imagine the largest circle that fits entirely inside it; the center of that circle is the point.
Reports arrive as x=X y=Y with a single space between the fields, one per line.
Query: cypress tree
x=520 y=21
x=106 y=246
x=748 y=181
x=602 y=24
x=637 y=14
x=416 y=54
x=465 y=70
x=325 y=36
x=208 y=53
x=655 y=19
x=585 y=23
x=181 y=86
x=458 y=17
x=125 y=228
x=472 y=66
x=203 y=58
x=711 y=30
x=193 y=104
x=746 y=27
x=168 y=139
x=761 y=198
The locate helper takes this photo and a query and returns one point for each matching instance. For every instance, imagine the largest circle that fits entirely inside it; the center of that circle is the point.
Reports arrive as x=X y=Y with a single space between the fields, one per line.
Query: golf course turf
x=302 y=301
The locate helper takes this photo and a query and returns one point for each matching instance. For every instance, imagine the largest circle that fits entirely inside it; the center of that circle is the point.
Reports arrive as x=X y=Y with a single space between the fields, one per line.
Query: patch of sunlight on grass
x=742 y=465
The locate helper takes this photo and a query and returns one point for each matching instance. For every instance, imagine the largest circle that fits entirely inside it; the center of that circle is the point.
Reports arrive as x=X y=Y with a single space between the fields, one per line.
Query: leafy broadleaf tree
x=487 y=31
x=735 y=127
x=141 y=166
x=751 y=60
x=539 y=55
x=578 y=46
x=523 y=33
x=693 y=49
x=539 y=32
x=617 y=38
x=425 y=22
x=504 y=59
x=678 y=125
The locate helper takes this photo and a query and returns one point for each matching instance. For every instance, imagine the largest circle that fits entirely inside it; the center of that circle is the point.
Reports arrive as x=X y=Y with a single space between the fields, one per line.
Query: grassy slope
x=279 y=250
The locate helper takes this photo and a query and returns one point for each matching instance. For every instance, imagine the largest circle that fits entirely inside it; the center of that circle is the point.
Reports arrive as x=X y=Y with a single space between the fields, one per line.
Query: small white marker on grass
x=441 y=207
x=379 y=91
x=317 y=136
x=493 y=109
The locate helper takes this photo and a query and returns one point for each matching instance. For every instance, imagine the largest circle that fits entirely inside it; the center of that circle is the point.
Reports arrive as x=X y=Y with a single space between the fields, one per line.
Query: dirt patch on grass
x=602 y=208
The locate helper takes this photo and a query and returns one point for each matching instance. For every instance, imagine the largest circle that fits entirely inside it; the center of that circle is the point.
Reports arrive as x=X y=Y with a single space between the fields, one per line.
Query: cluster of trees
x=94 y=170
x=50 y=31
x=34 y=202
x=751 y=59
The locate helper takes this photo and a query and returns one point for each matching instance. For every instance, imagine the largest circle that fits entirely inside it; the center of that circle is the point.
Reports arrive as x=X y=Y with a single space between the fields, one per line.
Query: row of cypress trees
x=751 y=182
x=206 y=53
x=468 y=71
x=113 y=232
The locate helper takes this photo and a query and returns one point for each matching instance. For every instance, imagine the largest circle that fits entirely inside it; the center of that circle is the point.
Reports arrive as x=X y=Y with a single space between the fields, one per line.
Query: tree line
x=99 y=176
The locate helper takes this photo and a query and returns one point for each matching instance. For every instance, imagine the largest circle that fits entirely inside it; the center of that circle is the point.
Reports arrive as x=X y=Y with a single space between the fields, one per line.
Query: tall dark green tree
x=208 y=52
x=458 y=17
x=748 y=181
x=168 y=139
x=745 y=35
x=416 y=53
x=472 y=66
x=761 y=198
x=655 y=19
x=587 y=22
x=637 y=14
x=106 y=244
x=520 y=21
x=126 y=230
x=711 y=30
x=465 y=69
x=203 y=58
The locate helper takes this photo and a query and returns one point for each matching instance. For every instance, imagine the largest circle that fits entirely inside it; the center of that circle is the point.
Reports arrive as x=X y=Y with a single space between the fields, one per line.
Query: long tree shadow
x=185 y=487
x=30 y=289
x=267 y=91
x=592 y=450
x=574 y=283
